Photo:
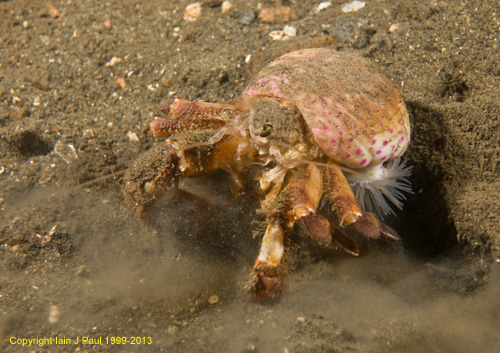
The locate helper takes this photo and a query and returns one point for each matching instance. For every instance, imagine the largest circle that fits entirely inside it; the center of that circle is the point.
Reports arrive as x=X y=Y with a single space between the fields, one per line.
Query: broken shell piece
x=353 y=6
x=394 y=27
x=66 y=151
x=213 y=299
x=132 y=136
x=54 y=314
x=226 y=6
x=120 y=81
x=192 y=12
x=114 y=60
x=286 y=33
x=323 y=5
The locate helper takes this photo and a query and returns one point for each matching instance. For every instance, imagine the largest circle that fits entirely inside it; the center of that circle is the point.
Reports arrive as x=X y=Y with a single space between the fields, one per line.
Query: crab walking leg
x=307 y=197
x=162 y=127
x=308 y=192
x=269 y=270
x=342 y=196
x=349 y=211
x=302 y=195
x=166 y=169
x=180 y=108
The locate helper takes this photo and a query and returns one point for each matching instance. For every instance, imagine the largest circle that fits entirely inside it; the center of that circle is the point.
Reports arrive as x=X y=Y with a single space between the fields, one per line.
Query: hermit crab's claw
x=349 y=211
x=319 y=228
x=387 y=233
x=369 y=226
x=143 y=184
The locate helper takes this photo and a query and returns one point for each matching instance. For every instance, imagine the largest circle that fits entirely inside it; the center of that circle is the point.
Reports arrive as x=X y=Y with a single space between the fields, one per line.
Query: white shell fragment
x=226 y=6
x=132 y=136
x=192 y=12
x=323 y=5
x=66 y=151
x=286 y=33
x=54 y=314
x=353 y=6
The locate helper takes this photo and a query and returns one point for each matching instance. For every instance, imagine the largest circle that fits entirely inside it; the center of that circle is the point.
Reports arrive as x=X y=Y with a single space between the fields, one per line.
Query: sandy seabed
x=80 y=79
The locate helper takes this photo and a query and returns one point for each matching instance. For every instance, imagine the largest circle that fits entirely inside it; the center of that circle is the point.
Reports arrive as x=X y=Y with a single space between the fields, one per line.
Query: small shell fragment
x=394 y=27
x=53 y=11
x=54 y=314
x=286 y=33
x=226 y=6
x=66 y=151
x=353 y=6
x=323 y=5
x=132 y=136
x=114 y=60
x=120 y=81
x=213 y=299
x=192 y=12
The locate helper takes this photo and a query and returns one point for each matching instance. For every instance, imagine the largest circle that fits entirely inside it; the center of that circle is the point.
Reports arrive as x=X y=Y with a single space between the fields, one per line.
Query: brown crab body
x=307 y=118
x=355 y=113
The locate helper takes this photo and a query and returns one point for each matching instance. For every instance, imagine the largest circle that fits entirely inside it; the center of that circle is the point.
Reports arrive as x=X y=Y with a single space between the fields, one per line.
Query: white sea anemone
x=374 y=187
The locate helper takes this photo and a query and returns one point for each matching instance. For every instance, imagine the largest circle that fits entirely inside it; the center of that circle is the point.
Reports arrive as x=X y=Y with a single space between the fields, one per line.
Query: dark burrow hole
x=425 y=226
x=29 y=143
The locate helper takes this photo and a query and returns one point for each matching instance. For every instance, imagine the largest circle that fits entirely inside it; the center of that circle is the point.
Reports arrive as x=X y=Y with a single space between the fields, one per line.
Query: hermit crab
x=317 y=123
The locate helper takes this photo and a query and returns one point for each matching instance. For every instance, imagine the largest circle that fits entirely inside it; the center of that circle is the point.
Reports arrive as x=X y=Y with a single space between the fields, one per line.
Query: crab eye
x=265 y=130
x=227 y=113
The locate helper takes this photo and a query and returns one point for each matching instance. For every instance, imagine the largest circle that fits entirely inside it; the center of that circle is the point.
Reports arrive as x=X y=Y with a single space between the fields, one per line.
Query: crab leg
x=301 y=198
x=342 y=196
x=165 y=169
x=180 y=108
x=162 y=127
x=307 y=197
x=349 y=211
x=270 y=270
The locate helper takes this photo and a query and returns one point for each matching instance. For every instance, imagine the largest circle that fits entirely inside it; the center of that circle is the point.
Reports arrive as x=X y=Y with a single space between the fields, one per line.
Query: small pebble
x=192 y=12
x=66 y=151
x=290 y=31
x=213 y=299
x=88 y=133
x=282 y=14
x=322 y=6
x=17 y=100
x=132 y=136
x=247 y=18
x=353 y=6
x=114 y=60
x=286 y=33
x=121 y=82
x=394 y=27
x=53 y=12
x=54 y=314
x=226 y=6
x=351 y=31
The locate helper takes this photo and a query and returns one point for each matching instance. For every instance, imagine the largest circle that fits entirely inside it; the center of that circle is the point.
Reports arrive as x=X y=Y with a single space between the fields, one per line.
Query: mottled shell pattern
x=356 y=115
